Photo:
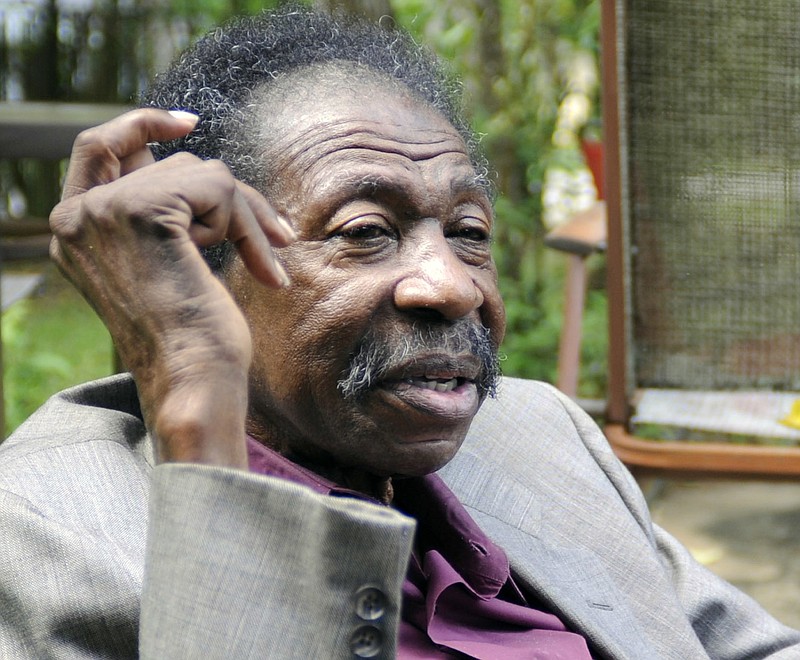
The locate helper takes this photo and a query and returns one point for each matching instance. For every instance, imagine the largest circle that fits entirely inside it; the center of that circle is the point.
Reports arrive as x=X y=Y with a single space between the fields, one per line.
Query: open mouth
x=436 y=384
x=433 y=375
x=439 y=395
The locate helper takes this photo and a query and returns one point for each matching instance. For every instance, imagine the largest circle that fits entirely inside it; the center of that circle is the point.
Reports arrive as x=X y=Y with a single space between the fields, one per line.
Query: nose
x=436 y=280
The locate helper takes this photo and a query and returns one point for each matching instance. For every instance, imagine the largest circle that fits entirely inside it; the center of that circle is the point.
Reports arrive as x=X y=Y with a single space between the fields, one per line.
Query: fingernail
x=289 y=229
x=185 y=116
x=282 y=275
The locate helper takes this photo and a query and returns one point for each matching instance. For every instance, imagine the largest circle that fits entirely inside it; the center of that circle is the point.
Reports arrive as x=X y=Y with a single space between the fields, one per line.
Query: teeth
x=436 y=384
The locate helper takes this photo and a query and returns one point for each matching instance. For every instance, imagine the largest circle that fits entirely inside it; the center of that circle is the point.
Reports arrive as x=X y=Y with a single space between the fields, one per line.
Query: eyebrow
x=371 y=186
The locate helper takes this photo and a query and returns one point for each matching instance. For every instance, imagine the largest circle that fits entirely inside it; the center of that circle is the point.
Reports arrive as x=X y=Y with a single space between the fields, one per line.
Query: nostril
x=447 y=293
x=428 y=314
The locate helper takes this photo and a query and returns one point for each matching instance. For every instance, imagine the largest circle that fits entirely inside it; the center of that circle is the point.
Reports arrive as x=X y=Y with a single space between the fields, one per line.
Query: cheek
x=493 y=311
x=333 y=323
x=331 y=306
x=303 y=336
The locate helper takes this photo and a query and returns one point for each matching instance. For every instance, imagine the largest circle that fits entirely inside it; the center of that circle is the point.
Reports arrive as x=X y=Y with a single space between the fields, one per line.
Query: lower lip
x=458 y=404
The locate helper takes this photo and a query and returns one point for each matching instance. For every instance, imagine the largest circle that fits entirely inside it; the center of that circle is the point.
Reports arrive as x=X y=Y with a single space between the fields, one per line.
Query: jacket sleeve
x=65 y=592
x=242 y=565
x=237 y=566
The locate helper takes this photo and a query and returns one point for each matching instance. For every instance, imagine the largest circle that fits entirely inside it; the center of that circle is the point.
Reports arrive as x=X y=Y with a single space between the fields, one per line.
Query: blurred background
x=531 y=85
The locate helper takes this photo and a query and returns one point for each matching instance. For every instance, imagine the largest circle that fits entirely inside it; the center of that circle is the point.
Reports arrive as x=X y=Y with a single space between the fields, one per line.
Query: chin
x=423 y=457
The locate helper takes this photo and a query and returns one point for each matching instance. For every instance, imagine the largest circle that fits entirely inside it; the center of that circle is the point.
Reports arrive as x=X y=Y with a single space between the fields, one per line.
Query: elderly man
x=286 y=419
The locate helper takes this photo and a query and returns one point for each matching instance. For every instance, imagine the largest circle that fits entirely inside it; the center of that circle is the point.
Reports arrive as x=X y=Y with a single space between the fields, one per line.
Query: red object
x=593 y=153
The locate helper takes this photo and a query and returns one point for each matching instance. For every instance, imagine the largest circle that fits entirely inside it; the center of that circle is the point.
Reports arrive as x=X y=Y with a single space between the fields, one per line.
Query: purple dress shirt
x=459 y=598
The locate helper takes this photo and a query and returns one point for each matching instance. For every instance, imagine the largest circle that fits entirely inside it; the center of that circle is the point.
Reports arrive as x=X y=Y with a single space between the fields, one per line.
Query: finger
x=98 y=153
x=277 y=228
x=144 y=156
x=246 y=233
x=136 y=161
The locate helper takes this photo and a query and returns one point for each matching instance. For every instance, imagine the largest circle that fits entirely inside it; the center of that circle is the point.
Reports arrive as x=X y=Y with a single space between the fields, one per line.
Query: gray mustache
x=377 y=356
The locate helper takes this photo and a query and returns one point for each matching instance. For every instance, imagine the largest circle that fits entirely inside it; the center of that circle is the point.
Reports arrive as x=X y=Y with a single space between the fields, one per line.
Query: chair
x=701 y=109
x=581 y=236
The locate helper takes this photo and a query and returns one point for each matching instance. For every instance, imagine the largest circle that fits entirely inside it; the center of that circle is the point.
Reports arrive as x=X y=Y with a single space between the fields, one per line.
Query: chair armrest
x=583 y=234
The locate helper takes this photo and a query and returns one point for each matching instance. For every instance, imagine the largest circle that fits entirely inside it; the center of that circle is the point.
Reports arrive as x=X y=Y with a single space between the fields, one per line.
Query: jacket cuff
x=243 y=565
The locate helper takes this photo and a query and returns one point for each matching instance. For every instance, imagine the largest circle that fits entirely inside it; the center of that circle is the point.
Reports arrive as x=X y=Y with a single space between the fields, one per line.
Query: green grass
x=51 y=340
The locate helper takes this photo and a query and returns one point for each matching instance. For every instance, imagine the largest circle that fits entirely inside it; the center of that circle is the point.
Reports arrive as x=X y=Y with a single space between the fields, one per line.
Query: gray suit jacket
x=225 y=564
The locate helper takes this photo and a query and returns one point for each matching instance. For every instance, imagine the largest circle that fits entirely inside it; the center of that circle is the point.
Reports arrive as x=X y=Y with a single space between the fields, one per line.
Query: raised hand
x=126 y=234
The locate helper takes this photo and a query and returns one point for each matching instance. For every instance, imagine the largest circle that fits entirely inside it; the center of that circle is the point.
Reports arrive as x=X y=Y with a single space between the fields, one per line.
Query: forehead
x=354 y=121
x=325 y=92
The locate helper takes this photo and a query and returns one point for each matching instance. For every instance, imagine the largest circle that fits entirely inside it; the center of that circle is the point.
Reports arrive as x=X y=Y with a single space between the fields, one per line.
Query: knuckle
x=94 y=142
x=221 y=173
x=73 y=220
x=65 y=223
x=99 y=209
x=95 y=148
x=215 y=165
x=182 y=158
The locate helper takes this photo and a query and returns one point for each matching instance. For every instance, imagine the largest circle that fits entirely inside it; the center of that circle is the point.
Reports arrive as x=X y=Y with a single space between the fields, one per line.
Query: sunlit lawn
x=51 y=340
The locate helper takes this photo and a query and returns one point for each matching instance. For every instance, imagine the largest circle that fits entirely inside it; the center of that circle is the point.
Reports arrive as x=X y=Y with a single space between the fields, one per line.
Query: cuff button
x=370 y=604
x=366 y=642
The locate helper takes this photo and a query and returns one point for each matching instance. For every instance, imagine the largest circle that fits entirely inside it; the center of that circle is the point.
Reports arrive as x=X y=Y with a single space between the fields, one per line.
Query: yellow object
x=793 y=418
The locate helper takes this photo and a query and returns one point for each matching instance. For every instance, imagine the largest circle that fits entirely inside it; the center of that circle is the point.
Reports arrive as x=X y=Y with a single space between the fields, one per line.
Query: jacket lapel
x=572 y=582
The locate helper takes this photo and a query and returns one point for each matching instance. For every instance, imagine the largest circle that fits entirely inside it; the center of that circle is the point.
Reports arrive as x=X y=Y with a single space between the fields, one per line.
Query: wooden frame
x=707 y=458
x=47 y=130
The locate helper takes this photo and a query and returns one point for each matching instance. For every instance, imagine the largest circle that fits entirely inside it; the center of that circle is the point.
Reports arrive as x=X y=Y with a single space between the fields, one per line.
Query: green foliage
x=205 y=14
x=51 y=340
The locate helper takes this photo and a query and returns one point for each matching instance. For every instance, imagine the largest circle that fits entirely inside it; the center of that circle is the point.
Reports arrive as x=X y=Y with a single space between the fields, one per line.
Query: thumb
x=99 y=153
x=144 y=156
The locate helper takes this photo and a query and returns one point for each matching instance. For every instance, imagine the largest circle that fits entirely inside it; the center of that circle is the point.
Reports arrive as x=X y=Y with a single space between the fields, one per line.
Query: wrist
x=203 y=422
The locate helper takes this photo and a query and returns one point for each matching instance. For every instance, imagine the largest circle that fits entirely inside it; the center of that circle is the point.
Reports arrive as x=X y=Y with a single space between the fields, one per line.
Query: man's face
x=393 y=255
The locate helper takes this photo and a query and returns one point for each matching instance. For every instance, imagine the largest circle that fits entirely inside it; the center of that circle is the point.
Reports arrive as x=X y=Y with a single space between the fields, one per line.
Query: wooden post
x=617 y=327
x=582 y=235
x=569 y=348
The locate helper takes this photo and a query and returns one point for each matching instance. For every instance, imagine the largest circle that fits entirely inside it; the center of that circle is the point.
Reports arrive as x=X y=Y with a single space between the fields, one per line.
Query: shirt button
x=370 y=604
x=366 y=642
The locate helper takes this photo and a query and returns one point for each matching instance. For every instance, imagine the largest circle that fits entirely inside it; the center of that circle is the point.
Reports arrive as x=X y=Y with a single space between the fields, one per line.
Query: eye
x=364 y=231
x=360 y=225
x=471 y=230
x=474 y=234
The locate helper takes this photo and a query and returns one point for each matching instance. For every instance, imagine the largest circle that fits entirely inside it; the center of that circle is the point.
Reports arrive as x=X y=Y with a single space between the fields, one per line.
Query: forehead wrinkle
x=327 y=139
x=361 y=184
x=349 y=156
x=364 y=179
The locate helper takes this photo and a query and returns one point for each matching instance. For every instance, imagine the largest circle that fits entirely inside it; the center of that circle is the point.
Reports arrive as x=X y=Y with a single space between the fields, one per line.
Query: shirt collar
x=263 y=460
x=446 y=527
x=443 y=523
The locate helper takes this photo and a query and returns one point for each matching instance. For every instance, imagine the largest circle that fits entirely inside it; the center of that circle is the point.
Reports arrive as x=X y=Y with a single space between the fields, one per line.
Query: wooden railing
x=43 y=131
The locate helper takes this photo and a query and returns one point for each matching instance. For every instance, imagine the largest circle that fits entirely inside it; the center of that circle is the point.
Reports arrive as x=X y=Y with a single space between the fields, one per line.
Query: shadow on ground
x=747 y=532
